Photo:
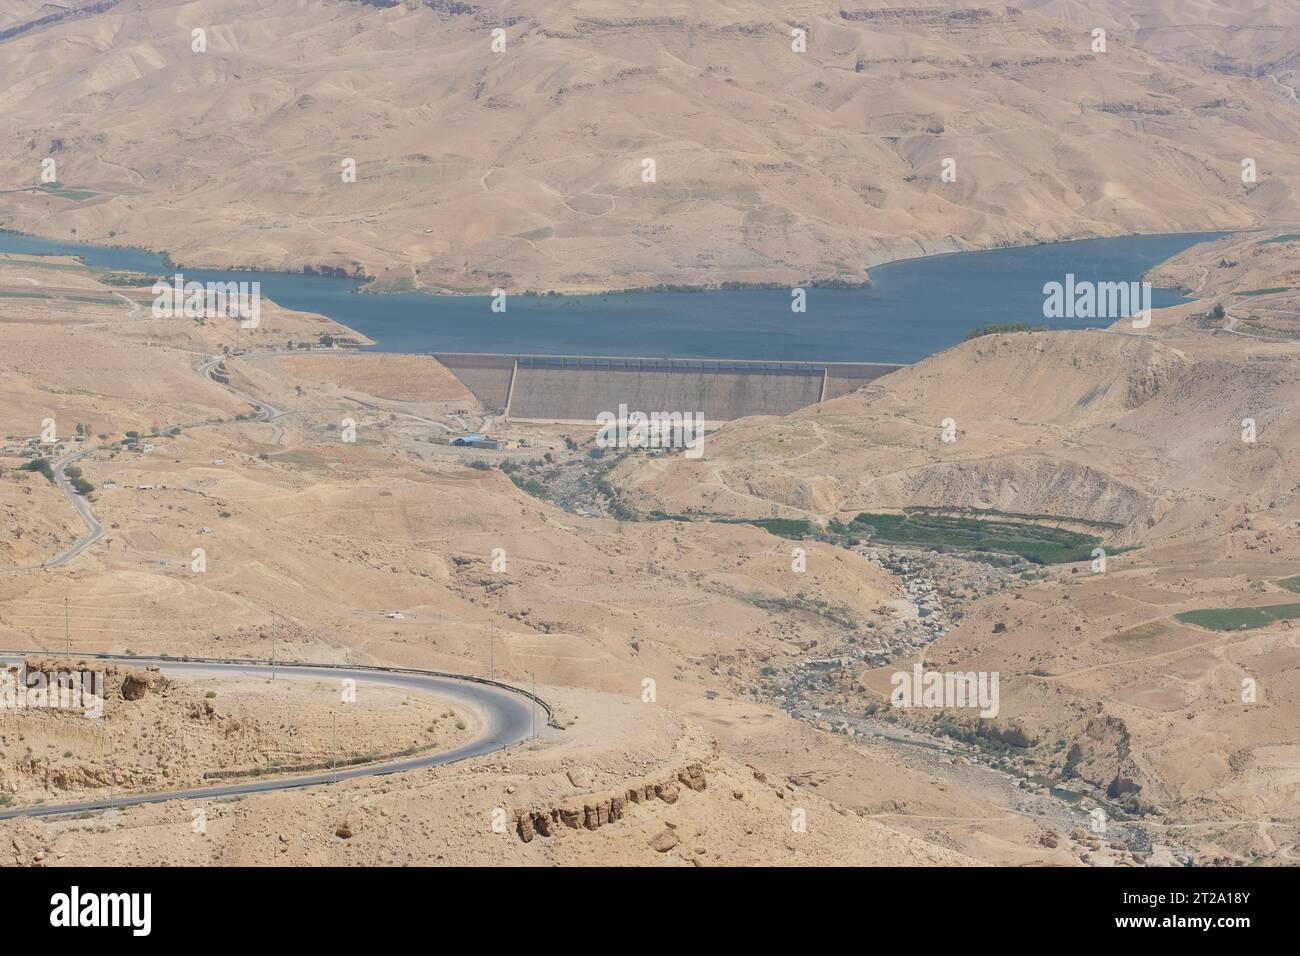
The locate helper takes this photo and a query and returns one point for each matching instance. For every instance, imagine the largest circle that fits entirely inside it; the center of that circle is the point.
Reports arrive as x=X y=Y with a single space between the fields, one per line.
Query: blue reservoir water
x=914 y=308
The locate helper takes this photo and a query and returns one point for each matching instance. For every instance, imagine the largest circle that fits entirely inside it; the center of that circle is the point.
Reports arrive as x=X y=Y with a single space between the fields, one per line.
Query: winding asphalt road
x=265 y=411
x=508 y=717
x=83 y=508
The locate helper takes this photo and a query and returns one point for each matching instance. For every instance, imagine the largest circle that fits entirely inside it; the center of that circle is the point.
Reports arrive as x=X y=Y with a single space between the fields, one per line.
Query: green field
x=1140 y=634
x=35 y=294
x=783 y=527
x=1240 y=618
x=1017 y=515
x=934 y=528
x=1282 y=288
x=301 y=458
x=1037 y=543
x=395 y=284
x=1291 y=584
x=795 y=528
x=1290 y=237
x=63 y=192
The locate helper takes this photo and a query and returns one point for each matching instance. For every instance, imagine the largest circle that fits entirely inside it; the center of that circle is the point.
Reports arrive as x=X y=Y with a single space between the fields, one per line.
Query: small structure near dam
x=577 y=388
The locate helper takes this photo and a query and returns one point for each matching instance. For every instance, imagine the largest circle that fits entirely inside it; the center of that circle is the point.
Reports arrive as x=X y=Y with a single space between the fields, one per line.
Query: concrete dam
x=576 y=388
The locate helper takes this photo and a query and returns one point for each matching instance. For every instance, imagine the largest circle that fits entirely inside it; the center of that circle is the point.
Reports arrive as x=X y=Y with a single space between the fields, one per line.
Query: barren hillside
x=385 y=549
x=1174 y=449
x=526 y=168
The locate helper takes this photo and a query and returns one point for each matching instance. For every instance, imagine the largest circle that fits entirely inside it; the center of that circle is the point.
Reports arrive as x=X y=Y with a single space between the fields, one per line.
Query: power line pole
x=534 y=707
x=67 y=635
x=275 y=630
x=492 y=651
x=334 y=756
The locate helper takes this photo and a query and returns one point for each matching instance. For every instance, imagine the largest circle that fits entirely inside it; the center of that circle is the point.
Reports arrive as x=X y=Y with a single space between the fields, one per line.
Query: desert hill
x=1106 y=425
x=1130 y=678
x=384 y=549
x=523 y=169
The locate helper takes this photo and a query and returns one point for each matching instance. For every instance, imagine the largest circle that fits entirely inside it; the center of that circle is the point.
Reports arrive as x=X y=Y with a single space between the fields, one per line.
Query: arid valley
x=705 y=644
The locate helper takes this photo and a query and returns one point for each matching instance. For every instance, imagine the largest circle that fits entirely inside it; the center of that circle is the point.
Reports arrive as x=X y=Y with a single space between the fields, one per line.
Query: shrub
x=995 y=328
x=41 y=465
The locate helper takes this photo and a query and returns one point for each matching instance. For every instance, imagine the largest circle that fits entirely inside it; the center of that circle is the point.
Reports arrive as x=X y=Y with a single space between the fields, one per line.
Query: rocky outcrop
x=1102 y=757
x=135 y=686
x=594 y=814
x=130 y=683
x=664 y=841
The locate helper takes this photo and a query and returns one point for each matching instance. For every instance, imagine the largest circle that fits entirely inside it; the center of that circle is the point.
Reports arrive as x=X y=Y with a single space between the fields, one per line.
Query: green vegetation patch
x=303 y=459
x=77 y=480
x=393 y=284
x=63 y=192
x=1033 y=542
x=38 y=294
x=1240 y=618
x=1017 y=515
x=1282 y=288
x=1289 y=237
x=997 y=328
x=1140 y=634
x=836 y=614
x=128 y=280
x=796 y=528
x=41 y=465
x=1291 y=584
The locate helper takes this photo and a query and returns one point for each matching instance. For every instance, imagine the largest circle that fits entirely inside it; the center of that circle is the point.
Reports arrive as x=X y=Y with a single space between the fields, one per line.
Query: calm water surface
x=914 y=308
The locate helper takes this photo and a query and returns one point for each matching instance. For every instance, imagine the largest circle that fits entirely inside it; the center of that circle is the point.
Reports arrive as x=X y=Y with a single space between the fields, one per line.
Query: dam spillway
x=577 y=388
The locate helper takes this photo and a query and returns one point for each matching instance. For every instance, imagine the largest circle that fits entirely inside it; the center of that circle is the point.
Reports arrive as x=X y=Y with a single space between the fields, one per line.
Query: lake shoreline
x=827 y=282
x=912 y=308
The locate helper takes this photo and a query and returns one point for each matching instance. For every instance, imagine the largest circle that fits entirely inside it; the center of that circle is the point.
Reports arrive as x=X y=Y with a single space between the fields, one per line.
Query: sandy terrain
x=309 y=541
x=721 y=687
x=446 y=815
x=163 y=733
x=390 y=548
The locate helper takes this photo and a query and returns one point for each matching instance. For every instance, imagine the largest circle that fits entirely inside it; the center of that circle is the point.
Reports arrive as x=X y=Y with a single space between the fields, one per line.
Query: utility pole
x=275 y=630
x=67 y=635
x=334 y=756
x=492 y=648
x=534 y=707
